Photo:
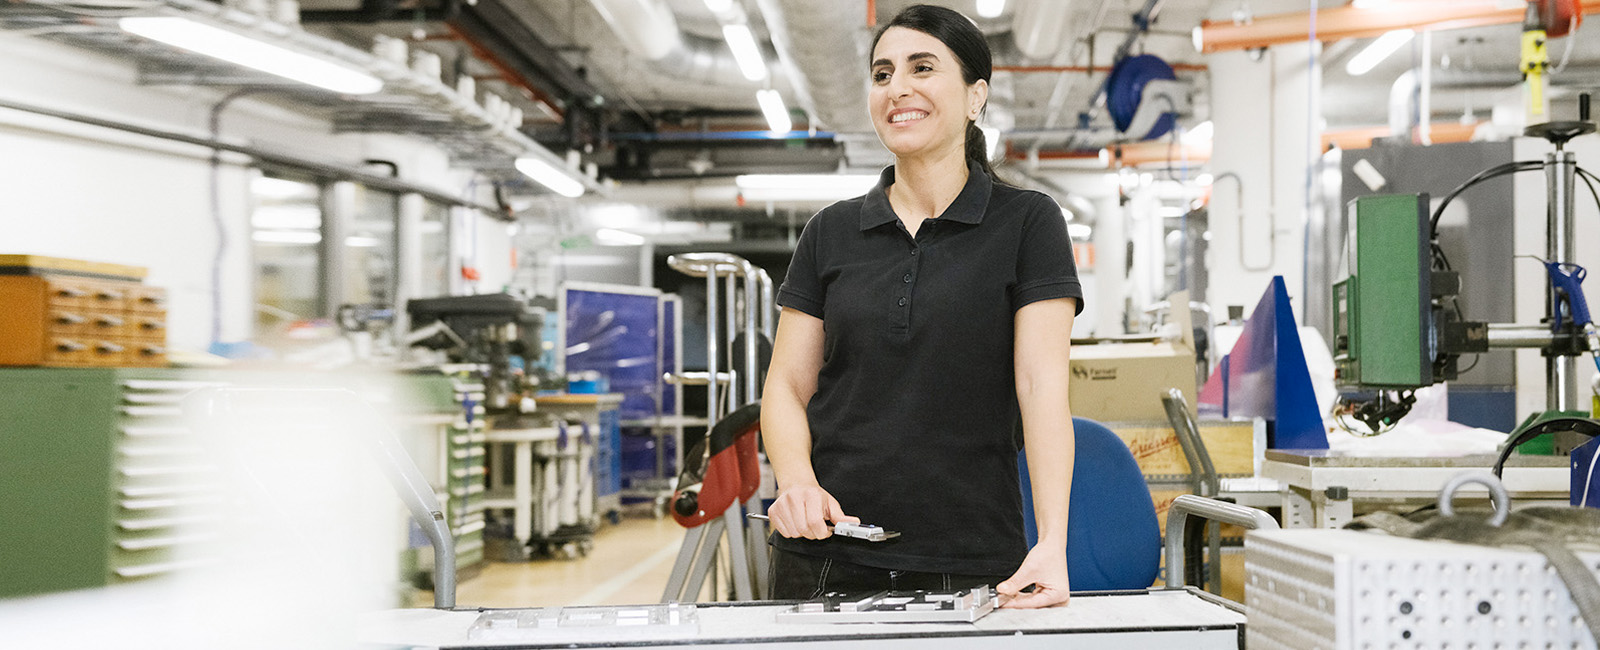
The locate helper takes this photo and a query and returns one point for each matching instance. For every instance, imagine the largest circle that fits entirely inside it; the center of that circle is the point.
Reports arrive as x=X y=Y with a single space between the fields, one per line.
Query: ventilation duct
x=649 y=29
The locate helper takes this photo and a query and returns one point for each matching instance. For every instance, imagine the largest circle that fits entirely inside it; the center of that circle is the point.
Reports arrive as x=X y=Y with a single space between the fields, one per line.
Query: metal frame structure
x=747 y=543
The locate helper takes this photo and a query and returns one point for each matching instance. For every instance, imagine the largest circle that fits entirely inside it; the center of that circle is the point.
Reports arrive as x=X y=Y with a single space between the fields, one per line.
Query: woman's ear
x=977 y=97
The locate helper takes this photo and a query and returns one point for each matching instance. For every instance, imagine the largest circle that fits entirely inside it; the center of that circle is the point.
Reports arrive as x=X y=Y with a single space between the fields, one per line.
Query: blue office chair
x=1113 y=539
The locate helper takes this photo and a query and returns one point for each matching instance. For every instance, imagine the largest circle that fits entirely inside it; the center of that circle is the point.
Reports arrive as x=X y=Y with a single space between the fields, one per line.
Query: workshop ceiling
x=591 y=83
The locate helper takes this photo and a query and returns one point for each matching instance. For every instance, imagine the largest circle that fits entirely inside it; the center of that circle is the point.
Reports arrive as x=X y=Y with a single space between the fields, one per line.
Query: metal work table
x=1136 y=620
x=1320 y=487
x=521 y=502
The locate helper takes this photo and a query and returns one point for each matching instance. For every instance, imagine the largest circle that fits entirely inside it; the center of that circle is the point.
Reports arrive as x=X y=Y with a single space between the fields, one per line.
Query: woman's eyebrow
x=914 y=57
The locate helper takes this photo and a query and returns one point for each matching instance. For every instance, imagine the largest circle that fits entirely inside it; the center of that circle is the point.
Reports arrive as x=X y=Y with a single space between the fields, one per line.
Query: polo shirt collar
x=968 y=207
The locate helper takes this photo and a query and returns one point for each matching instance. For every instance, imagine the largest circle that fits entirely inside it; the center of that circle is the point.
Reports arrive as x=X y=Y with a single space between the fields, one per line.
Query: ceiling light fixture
x=719 y=6
x=1380 y=49
x=745 y=51
x=773 y=109
x=1079 y=231
x=242 y=50
x=991 y=8
x=804 y=187
x=549 y=176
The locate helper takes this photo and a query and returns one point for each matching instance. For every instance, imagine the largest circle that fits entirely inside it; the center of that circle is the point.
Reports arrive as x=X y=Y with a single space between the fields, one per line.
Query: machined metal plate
x=570 y=624
x=964 y=606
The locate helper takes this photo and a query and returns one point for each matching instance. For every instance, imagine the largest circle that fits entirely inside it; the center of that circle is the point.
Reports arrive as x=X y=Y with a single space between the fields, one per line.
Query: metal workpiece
x=963 y=606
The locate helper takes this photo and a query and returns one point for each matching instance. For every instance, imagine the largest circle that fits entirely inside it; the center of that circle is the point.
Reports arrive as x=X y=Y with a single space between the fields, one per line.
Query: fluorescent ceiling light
x=991 y=140
x=1200 y=134
x=1380 y=49
x=776 y=113
x=804 y=187
x=1079 y=231
x=614 y=237
x=286 y=237
x=1203 y=179
x=745 y=52
x=547 y=175
x=358 y=241
x=287 y=217
x=239 y=49
x=719 y=6
x=279 y=189
x=991 y=8
x=1067 y=215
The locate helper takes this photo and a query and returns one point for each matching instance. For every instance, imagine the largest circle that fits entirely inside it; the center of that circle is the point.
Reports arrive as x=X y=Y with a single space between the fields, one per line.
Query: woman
x=917 y=322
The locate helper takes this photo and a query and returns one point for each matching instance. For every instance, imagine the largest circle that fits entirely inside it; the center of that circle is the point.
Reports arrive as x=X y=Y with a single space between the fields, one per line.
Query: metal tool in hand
x=847 y=529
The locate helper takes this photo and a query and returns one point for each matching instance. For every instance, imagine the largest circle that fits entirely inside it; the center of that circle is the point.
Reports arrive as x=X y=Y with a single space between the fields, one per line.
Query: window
x=286 y=238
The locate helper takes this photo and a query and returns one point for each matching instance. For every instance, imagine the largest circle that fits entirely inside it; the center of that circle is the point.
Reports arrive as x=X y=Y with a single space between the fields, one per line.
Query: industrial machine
x=1398 y=323
x=497 y=330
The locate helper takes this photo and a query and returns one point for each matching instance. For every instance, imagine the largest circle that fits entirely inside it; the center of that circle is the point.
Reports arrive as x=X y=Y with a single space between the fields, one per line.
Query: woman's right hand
x=805 y=511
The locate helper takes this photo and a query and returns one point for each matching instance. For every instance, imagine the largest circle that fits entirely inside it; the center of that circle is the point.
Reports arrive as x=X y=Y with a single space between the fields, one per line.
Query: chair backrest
x=1113 y=539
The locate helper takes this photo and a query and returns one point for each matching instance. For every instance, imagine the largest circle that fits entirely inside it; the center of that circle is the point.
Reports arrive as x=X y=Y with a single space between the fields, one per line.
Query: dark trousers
x=802 y=577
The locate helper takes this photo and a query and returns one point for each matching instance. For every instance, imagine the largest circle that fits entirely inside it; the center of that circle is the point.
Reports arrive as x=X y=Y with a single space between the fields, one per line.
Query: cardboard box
x=1124 y=382
x=1231 y=445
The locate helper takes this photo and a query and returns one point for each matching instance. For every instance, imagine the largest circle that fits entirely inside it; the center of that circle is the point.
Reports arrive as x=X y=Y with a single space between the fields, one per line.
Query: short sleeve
x=1045 y=267
x=802 y=285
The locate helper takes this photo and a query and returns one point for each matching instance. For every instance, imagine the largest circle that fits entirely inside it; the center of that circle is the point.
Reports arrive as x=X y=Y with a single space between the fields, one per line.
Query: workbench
x=1321 y=487
x=1132 y=620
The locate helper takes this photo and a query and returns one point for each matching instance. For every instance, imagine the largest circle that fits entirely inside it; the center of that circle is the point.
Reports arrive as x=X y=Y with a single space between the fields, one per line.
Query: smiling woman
x=938 y=267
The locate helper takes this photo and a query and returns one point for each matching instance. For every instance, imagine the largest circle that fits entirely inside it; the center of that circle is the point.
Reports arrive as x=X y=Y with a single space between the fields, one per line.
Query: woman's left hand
x=1046 y=569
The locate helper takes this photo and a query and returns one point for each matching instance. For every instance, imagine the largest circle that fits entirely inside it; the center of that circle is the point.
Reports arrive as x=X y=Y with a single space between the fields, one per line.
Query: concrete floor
x=628 y=565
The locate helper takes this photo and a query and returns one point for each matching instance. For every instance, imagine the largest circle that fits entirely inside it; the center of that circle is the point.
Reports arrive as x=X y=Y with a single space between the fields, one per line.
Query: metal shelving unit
x=409 y=103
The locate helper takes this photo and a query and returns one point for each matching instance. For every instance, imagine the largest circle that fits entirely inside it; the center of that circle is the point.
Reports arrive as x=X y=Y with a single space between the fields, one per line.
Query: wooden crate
x=1155 y=447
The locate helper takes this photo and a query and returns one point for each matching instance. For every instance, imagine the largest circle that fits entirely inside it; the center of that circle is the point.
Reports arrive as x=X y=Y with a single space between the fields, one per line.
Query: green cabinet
x=105 y=482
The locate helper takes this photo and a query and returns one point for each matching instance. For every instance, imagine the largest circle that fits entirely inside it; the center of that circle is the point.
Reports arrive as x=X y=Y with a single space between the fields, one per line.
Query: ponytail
x=977 y=149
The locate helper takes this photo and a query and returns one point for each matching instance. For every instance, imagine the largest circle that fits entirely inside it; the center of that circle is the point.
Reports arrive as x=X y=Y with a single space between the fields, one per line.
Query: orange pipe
x=1185 y=67
x=1361 y=138
x=872 y=13
x=1349 y=22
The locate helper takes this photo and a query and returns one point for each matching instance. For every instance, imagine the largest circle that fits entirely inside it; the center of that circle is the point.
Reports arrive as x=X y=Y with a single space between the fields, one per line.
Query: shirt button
x=902 y=302
x=907 y=278
x=913 y=251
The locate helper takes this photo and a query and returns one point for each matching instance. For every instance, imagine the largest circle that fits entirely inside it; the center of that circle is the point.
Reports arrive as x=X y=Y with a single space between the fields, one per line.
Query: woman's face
x=918 y=100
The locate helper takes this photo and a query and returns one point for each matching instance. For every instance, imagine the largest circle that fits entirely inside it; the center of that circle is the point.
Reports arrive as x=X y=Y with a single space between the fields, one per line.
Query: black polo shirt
x=912 y=422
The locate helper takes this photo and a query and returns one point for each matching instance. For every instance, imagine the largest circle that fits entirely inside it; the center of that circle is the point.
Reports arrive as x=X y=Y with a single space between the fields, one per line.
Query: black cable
x=1492 y=172
x=1587 y=177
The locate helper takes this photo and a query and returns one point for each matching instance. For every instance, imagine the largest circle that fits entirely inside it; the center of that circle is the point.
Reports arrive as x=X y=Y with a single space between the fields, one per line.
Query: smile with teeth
x=908 y=116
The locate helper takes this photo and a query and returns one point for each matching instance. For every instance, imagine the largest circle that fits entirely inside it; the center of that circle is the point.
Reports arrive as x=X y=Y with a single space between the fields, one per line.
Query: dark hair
x=959 y=34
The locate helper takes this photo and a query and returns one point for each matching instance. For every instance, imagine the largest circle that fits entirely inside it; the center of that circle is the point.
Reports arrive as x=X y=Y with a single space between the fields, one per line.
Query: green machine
x=1397 y=323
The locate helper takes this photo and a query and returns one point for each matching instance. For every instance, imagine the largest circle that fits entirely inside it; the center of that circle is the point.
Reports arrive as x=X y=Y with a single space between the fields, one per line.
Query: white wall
x=1268 y=144
x=85 y=192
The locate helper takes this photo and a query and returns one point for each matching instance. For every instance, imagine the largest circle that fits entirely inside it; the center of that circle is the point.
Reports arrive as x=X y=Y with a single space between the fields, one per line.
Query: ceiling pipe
x=1362 y=137
x=828 y=55
x=1090 y=69
x=1037 y=26
x=1349 y=22
x=649 y=29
